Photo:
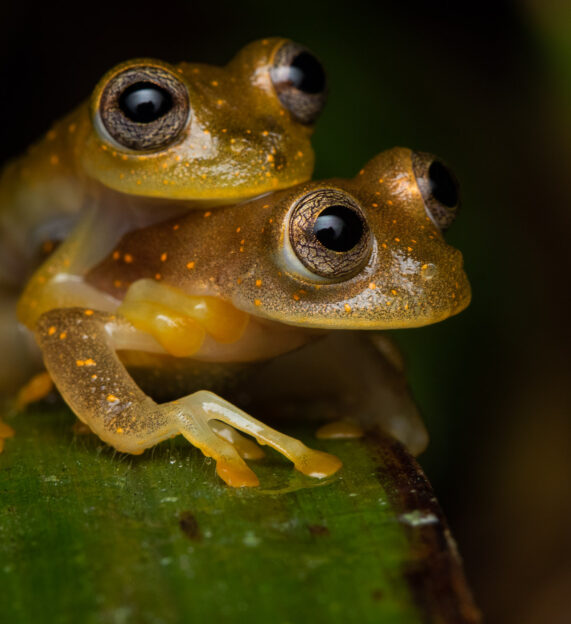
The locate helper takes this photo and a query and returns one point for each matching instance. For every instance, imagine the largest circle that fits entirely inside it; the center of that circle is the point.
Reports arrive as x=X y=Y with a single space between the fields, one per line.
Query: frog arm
x=79 y=349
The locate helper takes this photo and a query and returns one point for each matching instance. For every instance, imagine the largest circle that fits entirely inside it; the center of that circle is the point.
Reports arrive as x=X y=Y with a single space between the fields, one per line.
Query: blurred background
x=486 y=86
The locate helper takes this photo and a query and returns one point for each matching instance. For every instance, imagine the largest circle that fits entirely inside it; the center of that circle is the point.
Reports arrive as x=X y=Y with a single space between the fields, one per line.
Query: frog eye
x=329 y=234
x=299 y=81
x=438 y=187
x=144 y=107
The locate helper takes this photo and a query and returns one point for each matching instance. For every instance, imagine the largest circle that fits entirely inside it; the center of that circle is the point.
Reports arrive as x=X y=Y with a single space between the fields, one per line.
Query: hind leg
x=79 y=352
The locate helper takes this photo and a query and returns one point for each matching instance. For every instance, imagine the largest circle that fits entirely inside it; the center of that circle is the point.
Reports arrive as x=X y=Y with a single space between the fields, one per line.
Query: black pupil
x=306 y=73
x=442 y=185
x=338 y=228
x=145 y=102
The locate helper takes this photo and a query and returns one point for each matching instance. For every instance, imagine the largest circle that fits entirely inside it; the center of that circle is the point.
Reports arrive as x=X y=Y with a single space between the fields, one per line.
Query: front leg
x=78 y=346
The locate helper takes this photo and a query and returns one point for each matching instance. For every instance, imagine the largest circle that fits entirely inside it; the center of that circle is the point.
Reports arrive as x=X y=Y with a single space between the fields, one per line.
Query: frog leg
x=79 y=347
x=354 y=378
x=5 y=432
x=58 y=282
x=20 y=356
x=39 y=386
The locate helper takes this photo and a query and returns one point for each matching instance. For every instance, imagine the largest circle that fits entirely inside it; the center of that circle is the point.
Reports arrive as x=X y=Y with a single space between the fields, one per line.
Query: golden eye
x=438 y=187
x=144 y=107
x=299 y=81
x=329 y=234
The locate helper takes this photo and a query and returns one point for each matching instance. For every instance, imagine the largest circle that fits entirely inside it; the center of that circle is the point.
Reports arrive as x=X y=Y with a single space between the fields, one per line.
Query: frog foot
x=5 y=432
x=199 y=415
x=36 y=389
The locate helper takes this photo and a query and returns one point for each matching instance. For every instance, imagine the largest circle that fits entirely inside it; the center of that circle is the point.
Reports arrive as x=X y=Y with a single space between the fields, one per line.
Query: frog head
x=205 y=133
x=365 y=253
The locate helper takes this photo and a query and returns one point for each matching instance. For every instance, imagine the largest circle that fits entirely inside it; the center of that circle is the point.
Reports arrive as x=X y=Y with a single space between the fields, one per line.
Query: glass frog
x=189 y=302
x=155 y=140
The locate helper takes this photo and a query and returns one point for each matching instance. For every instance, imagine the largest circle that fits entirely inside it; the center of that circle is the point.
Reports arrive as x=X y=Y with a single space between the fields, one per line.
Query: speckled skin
x=239 y=142
x=224 y=286
x=412 y=277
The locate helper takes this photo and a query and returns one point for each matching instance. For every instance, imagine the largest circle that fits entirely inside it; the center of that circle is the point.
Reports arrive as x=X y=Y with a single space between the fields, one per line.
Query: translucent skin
x=239 y=142
x=222 y=287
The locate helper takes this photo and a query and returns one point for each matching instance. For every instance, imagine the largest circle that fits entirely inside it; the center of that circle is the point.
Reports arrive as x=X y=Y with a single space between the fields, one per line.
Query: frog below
x=246 y=283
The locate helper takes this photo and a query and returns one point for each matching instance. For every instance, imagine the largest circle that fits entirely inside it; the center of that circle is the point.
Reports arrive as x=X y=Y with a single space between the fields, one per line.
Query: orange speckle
x=397 y=239
x=116 y=255
x=63 y=336
x=258 y=282
x=238 y=229
x=375 y=205
x=51 y=331
x=257 y=302
x=406 y=306
x=207 y=214
x=54 y=159
x=300 y=154
x=393 y=291
x=424 y=267
x=295 y=296
x=384 y=245
x=164 y=256
x=112 y=398
x=381 y=180
x=158 y=276
x=219 y=102
x=72 y=128
x=239 y=280
x=241 y=249
x=372 y=285
x=88 y=312
x=190 y=265
x=93 y=376
x=361 y=172
x=347 y=307
x=175 y=227
x=128 y=258
x=214 y=83
x=389 y=202
x=266 y=206
x=270 y=158
x=119 y=430
x=409 y=248
x=117 y=283
x=389 y=302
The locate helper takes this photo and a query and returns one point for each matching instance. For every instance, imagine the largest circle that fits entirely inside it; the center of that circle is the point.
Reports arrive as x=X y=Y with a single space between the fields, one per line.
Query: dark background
x=486 y=86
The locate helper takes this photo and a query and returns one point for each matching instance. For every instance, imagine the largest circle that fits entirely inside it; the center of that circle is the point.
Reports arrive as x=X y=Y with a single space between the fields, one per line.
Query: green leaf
x=90 y=535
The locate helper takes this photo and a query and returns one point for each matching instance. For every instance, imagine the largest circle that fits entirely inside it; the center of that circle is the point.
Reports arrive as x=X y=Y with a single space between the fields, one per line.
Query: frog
x=156 y=139
x=303 y=273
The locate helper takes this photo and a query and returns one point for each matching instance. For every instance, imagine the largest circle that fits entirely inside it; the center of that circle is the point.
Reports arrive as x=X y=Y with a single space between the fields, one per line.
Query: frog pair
x=167 y=268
